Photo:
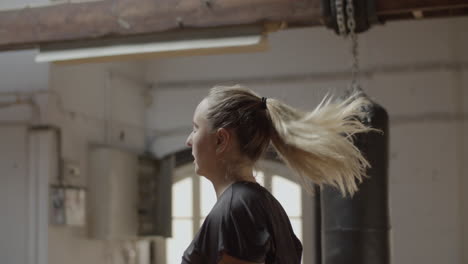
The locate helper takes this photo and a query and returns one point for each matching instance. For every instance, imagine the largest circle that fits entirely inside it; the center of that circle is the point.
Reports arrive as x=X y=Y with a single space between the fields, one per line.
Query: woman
x=232 y=127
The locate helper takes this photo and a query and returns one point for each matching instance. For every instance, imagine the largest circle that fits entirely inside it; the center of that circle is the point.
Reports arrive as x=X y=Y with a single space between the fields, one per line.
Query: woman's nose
x=188 y=142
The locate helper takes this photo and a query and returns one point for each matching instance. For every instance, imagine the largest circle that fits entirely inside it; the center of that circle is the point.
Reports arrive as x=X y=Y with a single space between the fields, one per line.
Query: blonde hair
x=317 y=145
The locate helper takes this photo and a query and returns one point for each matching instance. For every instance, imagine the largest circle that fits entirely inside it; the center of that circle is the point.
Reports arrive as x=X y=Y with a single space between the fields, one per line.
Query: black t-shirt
x=247 y=223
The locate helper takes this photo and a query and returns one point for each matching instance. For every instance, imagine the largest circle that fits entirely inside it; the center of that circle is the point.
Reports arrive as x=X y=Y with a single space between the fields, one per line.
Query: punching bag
x=356 y=230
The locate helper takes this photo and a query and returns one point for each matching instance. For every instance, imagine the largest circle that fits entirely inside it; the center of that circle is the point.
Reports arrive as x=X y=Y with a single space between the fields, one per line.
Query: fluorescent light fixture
x=119 y=50
x=186 y=42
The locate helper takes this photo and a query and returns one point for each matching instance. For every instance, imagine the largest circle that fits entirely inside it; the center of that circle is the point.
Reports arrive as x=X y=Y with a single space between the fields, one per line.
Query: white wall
x=21 y=105
x=93 y=104
x=409 y=76
x=14 y=180
x=20 y=73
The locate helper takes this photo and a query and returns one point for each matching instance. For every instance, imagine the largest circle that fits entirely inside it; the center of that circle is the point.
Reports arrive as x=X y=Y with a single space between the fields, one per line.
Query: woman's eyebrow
x=194 y=124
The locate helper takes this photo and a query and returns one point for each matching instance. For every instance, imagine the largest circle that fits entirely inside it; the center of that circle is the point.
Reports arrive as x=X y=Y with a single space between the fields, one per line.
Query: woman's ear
x=222 y=140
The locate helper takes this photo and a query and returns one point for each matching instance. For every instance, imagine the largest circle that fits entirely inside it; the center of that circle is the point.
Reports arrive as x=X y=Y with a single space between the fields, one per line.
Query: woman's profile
x=232 y=128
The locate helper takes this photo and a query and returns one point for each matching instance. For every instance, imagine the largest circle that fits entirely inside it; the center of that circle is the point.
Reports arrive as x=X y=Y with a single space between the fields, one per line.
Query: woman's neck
x=225 y=179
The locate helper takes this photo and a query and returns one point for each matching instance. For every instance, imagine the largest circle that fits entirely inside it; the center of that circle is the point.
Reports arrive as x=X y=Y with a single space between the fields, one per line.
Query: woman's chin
x=197 y=169
x=201 y=171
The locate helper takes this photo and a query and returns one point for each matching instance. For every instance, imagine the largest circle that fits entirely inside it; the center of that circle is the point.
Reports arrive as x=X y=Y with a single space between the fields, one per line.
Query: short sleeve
x=243 y=230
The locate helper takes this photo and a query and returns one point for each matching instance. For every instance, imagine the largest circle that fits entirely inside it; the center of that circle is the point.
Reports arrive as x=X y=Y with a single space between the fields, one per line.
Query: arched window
x=193 y=197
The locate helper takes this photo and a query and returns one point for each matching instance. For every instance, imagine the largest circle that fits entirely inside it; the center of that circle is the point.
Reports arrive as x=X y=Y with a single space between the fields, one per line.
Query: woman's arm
x=226 y=259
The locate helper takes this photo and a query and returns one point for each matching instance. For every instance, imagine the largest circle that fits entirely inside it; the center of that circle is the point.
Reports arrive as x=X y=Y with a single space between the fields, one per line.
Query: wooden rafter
x=400 y=6
x=30 y=27
x=417 y=9
x=107 y=19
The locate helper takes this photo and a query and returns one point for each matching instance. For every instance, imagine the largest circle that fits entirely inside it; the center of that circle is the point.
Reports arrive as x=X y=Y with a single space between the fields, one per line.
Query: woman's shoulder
x=249 y=194
x=239 y=199
x=247 y=189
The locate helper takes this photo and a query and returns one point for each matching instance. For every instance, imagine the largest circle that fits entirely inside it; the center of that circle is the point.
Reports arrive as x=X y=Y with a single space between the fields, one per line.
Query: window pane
x=182 y=198
x=181 y=238
x=297 y=227
x=208 y=196
x=259 y=177
x=288 y=194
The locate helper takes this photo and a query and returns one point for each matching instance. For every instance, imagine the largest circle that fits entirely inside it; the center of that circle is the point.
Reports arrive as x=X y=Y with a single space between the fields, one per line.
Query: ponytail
x=318 y=145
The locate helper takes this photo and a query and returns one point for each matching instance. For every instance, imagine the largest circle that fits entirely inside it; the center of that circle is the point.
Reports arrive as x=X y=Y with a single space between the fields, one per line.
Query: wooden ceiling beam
x=31 y=27
x=417 y=9
x=108 y=19
x=385 y=7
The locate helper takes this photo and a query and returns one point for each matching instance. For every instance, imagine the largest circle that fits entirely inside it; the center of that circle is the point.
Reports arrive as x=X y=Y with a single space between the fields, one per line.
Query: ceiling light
x=177 y=43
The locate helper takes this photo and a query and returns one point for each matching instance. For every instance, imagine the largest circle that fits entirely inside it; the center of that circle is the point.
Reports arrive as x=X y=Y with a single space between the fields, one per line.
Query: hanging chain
x=343 y=28
x=354 y=45
x=340 y=18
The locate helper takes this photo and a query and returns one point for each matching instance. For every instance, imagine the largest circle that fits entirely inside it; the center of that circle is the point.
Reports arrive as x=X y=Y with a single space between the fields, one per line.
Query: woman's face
x=203 y=142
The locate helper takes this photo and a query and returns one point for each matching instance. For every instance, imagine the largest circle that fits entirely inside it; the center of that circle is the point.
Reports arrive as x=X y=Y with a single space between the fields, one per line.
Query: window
x=182 y=220
x=193 y=197
x=289 y=194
